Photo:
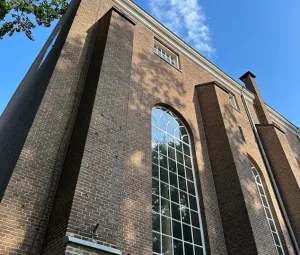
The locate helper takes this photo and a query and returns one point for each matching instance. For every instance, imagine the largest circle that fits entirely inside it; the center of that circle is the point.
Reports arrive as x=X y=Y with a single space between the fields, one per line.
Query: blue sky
x=237 y=36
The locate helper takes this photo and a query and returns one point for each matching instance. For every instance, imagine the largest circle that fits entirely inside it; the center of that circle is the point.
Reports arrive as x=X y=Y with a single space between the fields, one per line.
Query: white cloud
x=185 y=18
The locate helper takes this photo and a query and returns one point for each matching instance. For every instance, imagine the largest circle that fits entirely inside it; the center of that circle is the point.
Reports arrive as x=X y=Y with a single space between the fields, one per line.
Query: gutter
x=271 y=176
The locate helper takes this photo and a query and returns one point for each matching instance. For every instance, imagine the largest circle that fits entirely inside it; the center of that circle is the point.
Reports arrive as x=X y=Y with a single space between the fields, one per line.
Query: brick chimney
x=249 y=80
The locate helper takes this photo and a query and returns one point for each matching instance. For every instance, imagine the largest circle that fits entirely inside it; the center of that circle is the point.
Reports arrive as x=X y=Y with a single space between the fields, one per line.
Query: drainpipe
x=270 y=172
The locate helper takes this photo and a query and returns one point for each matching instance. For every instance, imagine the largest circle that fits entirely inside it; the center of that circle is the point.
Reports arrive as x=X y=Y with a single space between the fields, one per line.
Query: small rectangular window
x=233 y=101
x=166 y=54
x=242 y=134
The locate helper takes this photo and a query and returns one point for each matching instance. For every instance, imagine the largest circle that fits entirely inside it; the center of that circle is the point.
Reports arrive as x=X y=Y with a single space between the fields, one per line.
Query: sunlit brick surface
x=85 y=169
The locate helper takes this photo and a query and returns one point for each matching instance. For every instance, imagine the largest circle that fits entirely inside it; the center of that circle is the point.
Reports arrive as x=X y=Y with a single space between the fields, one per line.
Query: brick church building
x=122 y=139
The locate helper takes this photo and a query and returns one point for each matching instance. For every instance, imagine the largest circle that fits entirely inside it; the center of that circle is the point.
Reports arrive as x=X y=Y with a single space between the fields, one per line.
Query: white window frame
x=267 y=209
x=164 y=131
x=166 y=54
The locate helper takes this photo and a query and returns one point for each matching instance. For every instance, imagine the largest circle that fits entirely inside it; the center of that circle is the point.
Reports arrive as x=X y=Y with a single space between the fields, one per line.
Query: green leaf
x=14 y=15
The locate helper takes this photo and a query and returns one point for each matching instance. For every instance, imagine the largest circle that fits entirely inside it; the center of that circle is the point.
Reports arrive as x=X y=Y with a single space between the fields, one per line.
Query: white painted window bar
x=166 y=54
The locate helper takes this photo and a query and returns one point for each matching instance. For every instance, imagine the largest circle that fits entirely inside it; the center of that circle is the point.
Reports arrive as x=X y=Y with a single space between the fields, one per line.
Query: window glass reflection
x=175 y=215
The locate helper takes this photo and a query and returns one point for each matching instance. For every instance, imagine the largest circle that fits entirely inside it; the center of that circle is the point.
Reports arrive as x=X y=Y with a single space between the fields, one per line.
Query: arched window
x=267 y=209
x=177 y=227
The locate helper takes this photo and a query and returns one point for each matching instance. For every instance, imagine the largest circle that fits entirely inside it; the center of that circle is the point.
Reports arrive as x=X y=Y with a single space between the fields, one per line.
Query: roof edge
x=282 y=120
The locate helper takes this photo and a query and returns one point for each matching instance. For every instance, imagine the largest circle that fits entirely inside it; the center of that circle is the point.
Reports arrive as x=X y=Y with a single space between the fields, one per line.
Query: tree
x=17 y=15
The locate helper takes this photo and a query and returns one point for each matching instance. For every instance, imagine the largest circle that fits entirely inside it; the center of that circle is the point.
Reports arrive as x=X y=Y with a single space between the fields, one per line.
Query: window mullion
x=170 y=199
x=159 y=188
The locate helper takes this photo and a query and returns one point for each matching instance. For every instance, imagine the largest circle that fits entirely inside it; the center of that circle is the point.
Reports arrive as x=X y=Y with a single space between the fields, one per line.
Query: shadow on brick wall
x=152 y=82
x=29 y=197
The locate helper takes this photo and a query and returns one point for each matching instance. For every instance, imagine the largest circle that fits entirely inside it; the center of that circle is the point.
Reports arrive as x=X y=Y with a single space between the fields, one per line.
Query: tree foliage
x=24 y=15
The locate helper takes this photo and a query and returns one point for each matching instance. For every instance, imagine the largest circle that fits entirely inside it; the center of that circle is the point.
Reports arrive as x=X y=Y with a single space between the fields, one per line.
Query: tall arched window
x=267 y=209
x=177 y=227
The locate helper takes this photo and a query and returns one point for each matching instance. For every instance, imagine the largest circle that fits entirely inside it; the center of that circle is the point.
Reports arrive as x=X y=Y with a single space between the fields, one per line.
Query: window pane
x=156 y=242
x=177 y=229
x=163 y=149
x=191 y=188
x=197 y=236
x=155 y=186
x=166 y=225
x=264 y=201
x=175 y=211
x=171 y=152
x=189 y=174
x=172 y=166
x=261 y=191
x=279 y=250
x=258 y=180
x=198 y=251
x=181 y=171
x=272 y=226
x=193 y=203
x=170 y=141
x=187 y=233
x=173 y=179
x=183 y=199
x=185 y=139
x=186 y=149
x=179 y=157
x=195 y=219
x=155 y=157
x=178 y=248
x=165 y=207
x=188 y=249
x=185 y=215
x=164 y=176
x=179 y=146
x=164 y=190
x=155 y=222
x=182 y=183
x=155 y=144
x=268 y=213
x=174 y=195
x=276 y=238
x=155 y=171
x=163 y=161
x=155 y=135
x=155 y=203
x=188 y=161
x=167 y=245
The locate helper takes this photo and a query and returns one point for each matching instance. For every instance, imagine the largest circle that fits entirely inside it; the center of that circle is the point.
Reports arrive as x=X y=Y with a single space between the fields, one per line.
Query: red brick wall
x=113 y=188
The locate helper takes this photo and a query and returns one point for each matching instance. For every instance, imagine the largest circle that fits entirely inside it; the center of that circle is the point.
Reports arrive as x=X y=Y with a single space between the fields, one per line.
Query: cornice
x=277 y=117
x=142 y=16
